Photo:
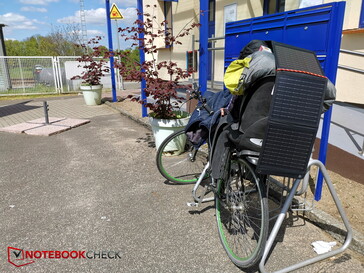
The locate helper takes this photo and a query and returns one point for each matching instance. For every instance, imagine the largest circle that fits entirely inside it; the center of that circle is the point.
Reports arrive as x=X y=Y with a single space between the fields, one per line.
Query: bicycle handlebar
x=196 y=94
x=207 y=108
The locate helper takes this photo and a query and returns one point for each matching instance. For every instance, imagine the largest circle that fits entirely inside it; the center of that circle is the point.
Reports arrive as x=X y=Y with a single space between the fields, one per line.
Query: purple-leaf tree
x=94 y=63
x=163 y=90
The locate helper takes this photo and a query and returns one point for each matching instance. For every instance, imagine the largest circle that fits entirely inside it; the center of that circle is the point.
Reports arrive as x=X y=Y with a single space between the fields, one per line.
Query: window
x=168 y=28
x=168 y=13
x=211 y=11
x=191 y=57
x=310 y=3
x=273 y=6
x=229 y=14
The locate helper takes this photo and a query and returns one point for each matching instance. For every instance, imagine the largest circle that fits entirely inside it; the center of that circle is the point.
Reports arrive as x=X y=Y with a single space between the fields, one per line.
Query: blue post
x=336 y=26
x=323 y=150
x=142 y=57
x=204 y=56
x=109 y=33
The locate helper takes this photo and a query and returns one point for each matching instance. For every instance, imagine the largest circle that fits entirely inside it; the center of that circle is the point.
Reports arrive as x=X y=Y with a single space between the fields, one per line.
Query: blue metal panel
x=235 y=42
x=316 y=28
x=305 y=35
x=307 y=28
x=273 y=34
x=271 y=21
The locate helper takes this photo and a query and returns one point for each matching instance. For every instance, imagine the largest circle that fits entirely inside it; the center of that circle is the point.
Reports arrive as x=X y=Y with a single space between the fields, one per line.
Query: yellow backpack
x=234 y=78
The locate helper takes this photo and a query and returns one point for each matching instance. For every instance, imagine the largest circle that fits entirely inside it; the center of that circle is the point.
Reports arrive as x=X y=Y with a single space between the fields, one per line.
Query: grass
x=29 y=90
x=27 y=73
x=33 y=91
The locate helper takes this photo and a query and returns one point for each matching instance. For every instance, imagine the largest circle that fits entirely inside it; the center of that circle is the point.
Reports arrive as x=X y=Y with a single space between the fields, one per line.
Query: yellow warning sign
x=115 y=13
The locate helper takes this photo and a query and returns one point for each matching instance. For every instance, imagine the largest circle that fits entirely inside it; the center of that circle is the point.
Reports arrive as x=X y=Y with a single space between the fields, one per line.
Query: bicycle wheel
x=178 y=161
x=242 y=214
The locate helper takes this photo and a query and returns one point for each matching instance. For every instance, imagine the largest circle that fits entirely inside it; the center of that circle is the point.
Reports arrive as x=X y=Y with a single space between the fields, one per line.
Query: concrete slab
x=39 y=128
x=42 y=120
x=71 y=122
x=47 y=130
x=20 y=128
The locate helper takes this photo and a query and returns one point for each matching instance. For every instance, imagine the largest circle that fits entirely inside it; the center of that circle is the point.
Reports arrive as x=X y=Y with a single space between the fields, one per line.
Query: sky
x=25 y=18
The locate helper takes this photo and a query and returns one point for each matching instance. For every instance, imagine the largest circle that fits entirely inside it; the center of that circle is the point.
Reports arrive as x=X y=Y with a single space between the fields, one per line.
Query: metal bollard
x=45 y=107
x=362 y=149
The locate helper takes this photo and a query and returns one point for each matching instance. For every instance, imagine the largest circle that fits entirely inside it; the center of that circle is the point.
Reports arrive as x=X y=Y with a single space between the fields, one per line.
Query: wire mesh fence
x=43 y=75
x=27 y=75
x=69 y=67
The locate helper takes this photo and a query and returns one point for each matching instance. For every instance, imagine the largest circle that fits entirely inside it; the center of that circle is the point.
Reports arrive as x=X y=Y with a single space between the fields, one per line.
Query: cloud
x=98 y=17
x=17 y=21
x=37 y=2
x=33 y=9
x=95 y=32
x=122 y=3
x=90 y=33
x=130 y=15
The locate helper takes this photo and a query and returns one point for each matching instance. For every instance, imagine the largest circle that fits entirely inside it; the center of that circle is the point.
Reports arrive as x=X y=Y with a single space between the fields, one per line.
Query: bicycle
x=178 y=159
x=240 y=200
x=241 y=192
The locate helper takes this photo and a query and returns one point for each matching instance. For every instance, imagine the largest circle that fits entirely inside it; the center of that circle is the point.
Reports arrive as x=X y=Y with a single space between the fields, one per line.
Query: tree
x=130 y=57
x=61 y=41
x=14 y=48
x=66 y=40
x=163 y=90
x=32 y=46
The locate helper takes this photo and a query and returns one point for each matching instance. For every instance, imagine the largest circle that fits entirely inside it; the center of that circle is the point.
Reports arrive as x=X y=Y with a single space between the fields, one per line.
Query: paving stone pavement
x=13 y=112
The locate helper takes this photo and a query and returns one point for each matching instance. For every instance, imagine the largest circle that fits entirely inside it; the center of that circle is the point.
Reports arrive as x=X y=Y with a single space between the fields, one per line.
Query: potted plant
x=94 y=65
x=162 y=78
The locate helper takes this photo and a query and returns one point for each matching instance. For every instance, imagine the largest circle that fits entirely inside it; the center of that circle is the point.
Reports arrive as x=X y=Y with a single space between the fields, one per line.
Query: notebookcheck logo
x=16 y=257
x=20 y=257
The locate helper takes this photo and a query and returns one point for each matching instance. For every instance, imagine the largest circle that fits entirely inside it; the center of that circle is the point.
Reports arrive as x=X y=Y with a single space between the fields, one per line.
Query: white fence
x=42 y=75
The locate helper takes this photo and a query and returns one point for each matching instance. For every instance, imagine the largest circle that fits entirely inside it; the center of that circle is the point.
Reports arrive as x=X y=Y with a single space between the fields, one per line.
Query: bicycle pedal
x=192 y=204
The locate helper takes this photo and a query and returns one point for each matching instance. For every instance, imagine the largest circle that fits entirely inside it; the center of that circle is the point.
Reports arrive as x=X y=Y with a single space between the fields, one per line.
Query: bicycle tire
x=174 y=160
x=242 y=214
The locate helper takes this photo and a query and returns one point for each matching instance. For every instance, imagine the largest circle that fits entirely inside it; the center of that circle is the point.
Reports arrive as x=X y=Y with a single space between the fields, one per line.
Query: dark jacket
x=201 y=122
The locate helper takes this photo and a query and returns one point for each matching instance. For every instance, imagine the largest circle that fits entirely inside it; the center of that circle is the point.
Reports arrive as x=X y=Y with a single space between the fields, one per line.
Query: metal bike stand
x=282 y=215
x=362 y=149
x=199 y=200
x=46 y=109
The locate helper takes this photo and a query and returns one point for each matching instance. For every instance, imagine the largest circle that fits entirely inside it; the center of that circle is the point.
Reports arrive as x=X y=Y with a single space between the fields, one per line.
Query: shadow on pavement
x=148 y=139
x=12 y=109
